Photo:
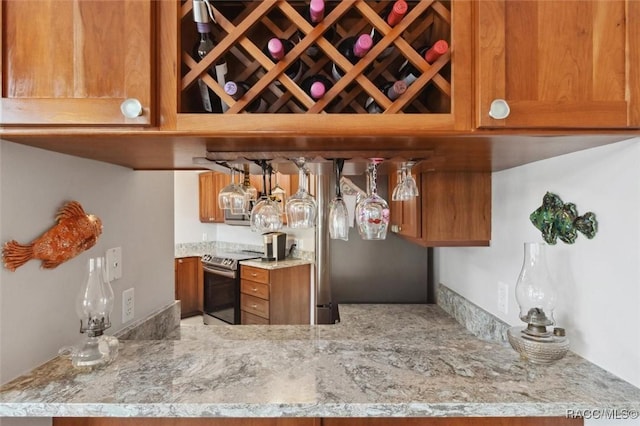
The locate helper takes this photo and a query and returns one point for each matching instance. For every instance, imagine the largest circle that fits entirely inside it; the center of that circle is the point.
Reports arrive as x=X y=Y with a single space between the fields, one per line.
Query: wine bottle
x=210 y=101
x=237 y=89
x=392 y=89
x=316 y=86
x=276 y=49
x=409 y=73
x=352 y=48
x=314 y=14
x=392 y=16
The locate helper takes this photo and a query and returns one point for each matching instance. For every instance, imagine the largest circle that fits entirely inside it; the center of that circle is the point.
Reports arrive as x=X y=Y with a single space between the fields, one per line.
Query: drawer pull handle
x=255 y=289
x=253 y=274
x=254 y=306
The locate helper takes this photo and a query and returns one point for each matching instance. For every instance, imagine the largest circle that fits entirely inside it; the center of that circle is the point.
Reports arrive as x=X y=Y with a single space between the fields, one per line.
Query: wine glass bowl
x=372 y=213
x=265 y=216
x=372 y=216
x=338 y=220
x=338 y=213
x=406 y=187
x=232 y=197
x=301 y=207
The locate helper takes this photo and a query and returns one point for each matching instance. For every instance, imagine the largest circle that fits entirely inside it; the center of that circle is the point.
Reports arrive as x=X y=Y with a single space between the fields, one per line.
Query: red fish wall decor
x=74 y=232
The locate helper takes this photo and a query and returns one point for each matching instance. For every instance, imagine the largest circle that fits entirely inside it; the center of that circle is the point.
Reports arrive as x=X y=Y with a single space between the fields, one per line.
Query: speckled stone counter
x=382 y=360
x=276 y=264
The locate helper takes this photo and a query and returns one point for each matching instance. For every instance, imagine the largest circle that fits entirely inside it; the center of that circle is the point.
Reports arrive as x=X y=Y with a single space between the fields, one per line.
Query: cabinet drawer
x=254 y=305
x=255 y=289
x=254 y=274
x=248 y=319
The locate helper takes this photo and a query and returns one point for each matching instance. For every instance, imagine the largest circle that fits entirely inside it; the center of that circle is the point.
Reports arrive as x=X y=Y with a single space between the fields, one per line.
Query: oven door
x=221 y=295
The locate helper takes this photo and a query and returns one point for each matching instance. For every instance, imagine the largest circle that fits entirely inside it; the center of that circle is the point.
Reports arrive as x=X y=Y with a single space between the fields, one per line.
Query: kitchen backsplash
x=203 y=247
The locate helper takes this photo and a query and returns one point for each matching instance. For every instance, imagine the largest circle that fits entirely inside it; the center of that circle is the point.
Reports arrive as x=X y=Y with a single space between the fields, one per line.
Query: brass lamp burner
x=537 y=323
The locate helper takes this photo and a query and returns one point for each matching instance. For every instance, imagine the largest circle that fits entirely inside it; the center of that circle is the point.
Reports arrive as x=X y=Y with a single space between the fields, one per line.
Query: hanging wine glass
x=338 y=213
x=265 y=216
x=251 y=192
x=301 y=207
x=279 y=195
x=372 y=213
x=397 y=190
x=410 y=185
x=232 y=196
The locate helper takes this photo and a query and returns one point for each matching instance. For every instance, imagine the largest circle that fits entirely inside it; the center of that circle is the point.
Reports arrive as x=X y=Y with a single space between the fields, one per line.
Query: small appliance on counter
x=274 y=246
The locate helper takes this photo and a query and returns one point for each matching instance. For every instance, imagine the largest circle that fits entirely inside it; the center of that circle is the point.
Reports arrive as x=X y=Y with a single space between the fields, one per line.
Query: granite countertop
x=381 y=360
x=276 y=264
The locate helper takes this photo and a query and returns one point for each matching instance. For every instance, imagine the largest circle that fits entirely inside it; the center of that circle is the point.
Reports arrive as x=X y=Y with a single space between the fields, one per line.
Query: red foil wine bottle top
x=317 y=90
x=398 y=11
x=362 y=45
x=276 y=48
x=438 y=49
x=316 y=10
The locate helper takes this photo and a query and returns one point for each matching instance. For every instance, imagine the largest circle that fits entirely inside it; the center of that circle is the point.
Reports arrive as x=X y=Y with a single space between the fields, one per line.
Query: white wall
x=37 y=306
x=189 y=229
x=598 y=280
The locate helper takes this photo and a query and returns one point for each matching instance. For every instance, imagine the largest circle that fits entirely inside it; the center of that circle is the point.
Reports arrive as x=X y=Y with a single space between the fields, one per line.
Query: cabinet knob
x=499 y=109
x=255 y=289
x=131 y=108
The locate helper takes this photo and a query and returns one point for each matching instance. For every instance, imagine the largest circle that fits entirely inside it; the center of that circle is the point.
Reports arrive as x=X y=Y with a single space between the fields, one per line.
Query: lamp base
x=537 y=350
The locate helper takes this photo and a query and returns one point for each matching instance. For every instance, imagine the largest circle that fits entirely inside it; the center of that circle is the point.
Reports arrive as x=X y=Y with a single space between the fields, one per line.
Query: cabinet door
x=209 y=186
x=559 y=63
x=75 y=62
x=290 y=295
x=456 y=208
x=207 y=198
x=453 y=209
x=189 y=285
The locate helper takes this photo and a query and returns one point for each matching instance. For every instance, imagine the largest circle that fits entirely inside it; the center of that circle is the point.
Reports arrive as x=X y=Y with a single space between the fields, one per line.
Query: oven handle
x=228 y=274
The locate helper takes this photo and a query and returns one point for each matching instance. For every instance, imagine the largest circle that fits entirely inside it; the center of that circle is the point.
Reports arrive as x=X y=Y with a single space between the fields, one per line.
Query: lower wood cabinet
x=275 y=296
x=189 y=285
x=453 y=209
x=345 y=421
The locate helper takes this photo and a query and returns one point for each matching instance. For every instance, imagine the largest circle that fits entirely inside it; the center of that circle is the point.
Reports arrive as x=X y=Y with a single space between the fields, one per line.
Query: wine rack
x=244 y=27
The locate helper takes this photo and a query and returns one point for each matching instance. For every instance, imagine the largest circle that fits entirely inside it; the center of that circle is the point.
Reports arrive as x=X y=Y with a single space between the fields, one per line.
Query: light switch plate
x=114 y=263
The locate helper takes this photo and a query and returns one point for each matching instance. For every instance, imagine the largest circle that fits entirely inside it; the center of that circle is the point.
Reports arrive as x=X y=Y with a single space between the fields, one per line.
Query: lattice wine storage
x=243 y=28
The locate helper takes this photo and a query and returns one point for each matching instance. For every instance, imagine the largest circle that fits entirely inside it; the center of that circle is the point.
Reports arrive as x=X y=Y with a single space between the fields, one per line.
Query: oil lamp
x=536 y=298
x=94 y=304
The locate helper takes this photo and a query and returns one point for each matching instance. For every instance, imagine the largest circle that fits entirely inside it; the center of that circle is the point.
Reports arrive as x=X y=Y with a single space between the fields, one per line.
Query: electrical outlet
x=114 y=263
x=298 y=243
x=127 y=305
x=204 y=236
x=503 y=297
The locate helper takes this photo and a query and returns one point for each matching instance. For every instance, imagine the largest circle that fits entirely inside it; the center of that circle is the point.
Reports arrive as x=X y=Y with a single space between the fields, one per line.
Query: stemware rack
x=244 y=27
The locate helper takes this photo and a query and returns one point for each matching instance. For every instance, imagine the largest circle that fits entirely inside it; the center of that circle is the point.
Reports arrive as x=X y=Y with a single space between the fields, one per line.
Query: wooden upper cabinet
x=73 y=62
x=438 y=100
x=559 y=64
x=209 y=186
x=453 y=209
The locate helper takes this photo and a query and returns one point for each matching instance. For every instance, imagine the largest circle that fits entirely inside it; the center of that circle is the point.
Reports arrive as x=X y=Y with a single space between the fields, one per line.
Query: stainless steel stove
x=222 y=285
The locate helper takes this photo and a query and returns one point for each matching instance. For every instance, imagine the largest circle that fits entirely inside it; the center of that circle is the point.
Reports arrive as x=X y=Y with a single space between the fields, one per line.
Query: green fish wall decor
x=555 y=219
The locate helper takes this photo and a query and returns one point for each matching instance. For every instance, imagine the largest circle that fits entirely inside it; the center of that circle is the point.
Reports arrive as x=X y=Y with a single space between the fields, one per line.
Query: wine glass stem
x=302 y=179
